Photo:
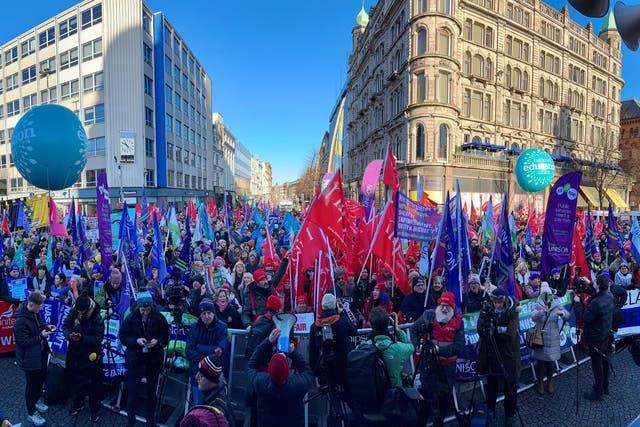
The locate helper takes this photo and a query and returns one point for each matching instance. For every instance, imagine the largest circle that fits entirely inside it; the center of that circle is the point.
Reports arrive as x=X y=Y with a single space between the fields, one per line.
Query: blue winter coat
x=204 y=340
x=279 y=406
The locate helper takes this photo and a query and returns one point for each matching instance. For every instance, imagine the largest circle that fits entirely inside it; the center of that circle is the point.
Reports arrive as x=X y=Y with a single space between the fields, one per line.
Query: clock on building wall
x=127 y=147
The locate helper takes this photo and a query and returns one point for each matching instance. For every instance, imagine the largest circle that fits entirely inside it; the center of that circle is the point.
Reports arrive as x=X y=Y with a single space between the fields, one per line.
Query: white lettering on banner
x=7 y=341
x=633 y=299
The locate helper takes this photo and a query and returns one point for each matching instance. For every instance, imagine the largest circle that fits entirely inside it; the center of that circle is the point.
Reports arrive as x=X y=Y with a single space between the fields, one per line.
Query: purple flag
x=452 y=261
x=104 y=223
x=559 y=221
x=614 y=239
x=369 y=185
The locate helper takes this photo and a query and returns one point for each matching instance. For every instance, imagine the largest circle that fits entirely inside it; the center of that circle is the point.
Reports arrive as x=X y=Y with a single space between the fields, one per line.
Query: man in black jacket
x=598 y=318
x=145 y=333
x=32 y=349
x=329 y=344
x=84 y=329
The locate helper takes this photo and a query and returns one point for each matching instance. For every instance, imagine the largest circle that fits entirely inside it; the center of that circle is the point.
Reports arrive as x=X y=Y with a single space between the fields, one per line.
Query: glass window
x=420 y=143
x=69 y=58
x=146 y=22
x=443 y=142
x=92 y=49
x=422 y=41
x=149 y=147
x=13 y=108
x=94 y=114
x=28 y=47
x=444 y=42
x=148 y=116
x=421 y=6
x=96 y=147
x=11 y=55
x=148 y=85
x=92 y=16
x=29 y=102
x=68 y=28
x=421 y=87
x=29 y=75
x=47 y=37
x=167 y=65
x=146 y=54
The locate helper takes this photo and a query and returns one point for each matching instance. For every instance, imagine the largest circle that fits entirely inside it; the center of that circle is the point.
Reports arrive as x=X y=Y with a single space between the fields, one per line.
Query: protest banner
x=303 y=325
x=414 y=221
x=17 y=288
x=7 y=319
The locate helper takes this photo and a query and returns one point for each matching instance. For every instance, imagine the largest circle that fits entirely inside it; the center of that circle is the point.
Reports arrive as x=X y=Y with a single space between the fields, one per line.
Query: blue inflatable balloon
x=49 y=147
x=534 y=170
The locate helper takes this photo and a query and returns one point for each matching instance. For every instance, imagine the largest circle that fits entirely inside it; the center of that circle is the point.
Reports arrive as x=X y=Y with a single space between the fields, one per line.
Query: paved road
x=618 y=410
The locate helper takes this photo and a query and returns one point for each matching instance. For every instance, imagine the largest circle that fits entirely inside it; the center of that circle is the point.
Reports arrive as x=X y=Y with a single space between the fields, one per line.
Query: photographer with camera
x=84 y=330
x=598 y=320
x=499 y=352
x=438 y=336
x=329 y=344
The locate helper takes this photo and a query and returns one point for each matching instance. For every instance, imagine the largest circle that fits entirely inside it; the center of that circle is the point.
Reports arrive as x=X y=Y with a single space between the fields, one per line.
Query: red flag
x=327 y=210
x=269 y=251
x=398 y=268
x=473 y=217
x=426 y=201
x=389 y=171
x=5 y=224
x=383 y=244
x=578 y=258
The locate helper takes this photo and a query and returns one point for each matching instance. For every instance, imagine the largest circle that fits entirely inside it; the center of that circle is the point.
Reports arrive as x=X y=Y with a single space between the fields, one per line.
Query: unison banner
x=104 y=222
x=414 y=221
x=559 y=221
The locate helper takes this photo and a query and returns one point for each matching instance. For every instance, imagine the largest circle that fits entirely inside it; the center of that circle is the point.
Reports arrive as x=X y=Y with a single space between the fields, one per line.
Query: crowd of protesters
x=231 y=283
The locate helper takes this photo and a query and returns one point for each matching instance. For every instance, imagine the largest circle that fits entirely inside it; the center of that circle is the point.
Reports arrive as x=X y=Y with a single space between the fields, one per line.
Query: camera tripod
x=338 y=410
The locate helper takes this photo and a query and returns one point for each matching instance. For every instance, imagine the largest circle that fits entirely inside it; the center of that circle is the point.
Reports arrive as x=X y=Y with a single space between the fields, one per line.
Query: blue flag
x=183 y=263
x=128 y=249
x=634 y=236
x=72 y=222
x=463 y=239
x=505 y=277
x=590 y=246
x=157 y=255
x=21 y=218
x=614 y=237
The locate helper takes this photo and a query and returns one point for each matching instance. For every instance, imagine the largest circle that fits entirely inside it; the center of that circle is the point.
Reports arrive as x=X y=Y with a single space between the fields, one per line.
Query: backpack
x=367 y=378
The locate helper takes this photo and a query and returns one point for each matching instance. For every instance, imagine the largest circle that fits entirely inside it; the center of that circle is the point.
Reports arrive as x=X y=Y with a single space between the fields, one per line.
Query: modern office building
x=459 y=87
x=142 y=94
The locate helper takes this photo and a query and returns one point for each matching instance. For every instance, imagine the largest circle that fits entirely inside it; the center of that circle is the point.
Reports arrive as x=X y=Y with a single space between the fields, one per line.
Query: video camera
x=490 y=317
x=176 y=302
x=582 y=285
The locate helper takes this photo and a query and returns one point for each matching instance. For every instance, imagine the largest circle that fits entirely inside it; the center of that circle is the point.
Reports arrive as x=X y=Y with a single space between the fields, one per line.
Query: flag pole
x=375 y=235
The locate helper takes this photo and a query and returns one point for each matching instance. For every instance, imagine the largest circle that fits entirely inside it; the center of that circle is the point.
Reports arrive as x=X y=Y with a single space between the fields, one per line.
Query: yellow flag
x=39 y=206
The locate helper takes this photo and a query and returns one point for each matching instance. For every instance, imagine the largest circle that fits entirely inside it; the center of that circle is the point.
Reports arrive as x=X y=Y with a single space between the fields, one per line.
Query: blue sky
x=277 y=67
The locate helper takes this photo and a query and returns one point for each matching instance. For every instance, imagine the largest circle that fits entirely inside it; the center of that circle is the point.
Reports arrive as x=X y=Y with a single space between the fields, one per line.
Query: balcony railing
x=480 y=161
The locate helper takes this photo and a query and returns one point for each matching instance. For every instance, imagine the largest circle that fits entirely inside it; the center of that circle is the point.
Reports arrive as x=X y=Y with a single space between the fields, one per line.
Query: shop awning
x=616 y=198
x=591 y=195
x=582 y=202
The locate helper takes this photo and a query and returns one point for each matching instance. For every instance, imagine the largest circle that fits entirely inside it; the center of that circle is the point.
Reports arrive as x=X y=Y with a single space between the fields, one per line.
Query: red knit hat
x=381 y=287
x=447 y=298
x=279 y=369
x=274 y=303
x=302 y=300
x=259 y=275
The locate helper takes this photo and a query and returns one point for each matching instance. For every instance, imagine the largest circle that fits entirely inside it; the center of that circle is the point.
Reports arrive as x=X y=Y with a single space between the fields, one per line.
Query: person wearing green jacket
x=395 y=352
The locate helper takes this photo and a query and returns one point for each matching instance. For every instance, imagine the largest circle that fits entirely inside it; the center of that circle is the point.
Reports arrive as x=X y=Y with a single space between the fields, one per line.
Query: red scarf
x=221 y=306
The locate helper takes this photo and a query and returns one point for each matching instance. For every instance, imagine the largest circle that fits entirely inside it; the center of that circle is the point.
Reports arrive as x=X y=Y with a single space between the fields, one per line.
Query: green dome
x=362 y=20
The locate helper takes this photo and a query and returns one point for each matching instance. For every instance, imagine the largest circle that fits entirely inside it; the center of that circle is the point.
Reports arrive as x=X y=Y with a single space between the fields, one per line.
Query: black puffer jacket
x=597 y=317
x=82 y=369
x=29 y=342
x=132 y=329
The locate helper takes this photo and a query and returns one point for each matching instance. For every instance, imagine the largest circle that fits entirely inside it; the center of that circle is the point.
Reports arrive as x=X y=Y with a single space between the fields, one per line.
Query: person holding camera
x=598 y=320
x=546 y=313
x=84 y=329
x=499 y=351
x=279 y=394
x=438 y=336
x=329 y=344
x=32 y=351
x=145 y=334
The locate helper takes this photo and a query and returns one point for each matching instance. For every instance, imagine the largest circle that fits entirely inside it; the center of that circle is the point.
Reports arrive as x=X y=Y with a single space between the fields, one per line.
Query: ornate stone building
x=459 y=88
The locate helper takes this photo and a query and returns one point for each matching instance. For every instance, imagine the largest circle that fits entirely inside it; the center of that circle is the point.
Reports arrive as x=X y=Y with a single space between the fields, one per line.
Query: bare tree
x=305 y=186
x=603 y=172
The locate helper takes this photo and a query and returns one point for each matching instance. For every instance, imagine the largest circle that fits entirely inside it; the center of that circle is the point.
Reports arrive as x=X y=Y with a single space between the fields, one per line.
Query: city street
x=618 y=410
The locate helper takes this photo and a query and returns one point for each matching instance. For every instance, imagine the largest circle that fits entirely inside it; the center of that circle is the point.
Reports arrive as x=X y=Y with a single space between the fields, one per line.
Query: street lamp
x=45 y=73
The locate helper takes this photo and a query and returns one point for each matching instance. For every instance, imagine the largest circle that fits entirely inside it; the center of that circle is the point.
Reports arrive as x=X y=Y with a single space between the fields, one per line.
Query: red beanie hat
x=274 y=303
x=302 y=299
x=279 y=369
x=381 y=287
x=447 y=298
x=259 y=275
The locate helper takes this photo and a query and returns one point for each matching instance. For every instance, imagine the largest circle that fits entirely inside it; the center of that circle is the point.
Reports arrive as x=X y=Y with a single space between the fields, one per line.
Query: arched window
x=541 y=88
x=488 y=69
x=507 y=76
x=444 y=42
x=467 y=63
x=556 y=93
x=525 y=81
x=420 y=143
x=517 y=78
x=443 y=142
x=422 y=41
x=421 y=6
x=478 y=65
x=549 y=89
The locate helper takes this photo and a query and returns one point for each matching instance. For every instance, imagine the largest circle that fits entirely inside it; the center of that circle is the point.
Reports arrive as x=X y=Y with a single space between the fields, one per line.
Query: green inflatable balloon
x=49 y=147
x=534 y=170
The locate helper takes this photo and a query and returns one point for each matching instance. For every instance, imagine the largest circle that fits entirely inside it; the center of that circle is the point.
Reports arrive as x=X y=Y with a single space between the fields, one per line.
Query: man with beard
x=439 y=337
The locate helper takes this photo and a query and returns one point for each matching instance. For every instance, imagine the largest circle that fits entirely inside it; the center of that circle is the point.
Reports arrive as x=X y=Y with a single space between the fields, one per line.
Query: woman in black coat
x=84 y=329
x=226 y=310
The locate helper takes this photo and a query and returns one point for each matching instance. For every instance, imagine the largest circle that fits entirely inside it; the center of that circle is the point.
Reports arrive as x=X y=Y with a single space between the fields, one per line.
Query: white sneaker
x=36 y=419
x=41 y=407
